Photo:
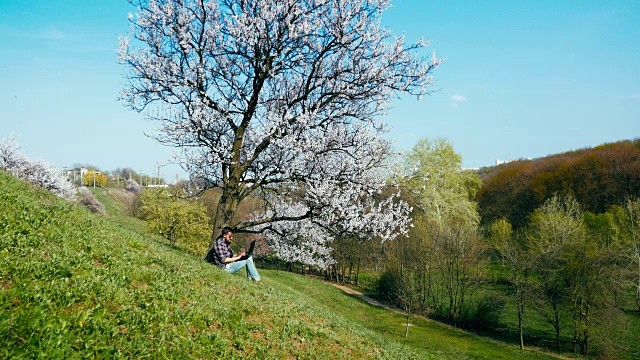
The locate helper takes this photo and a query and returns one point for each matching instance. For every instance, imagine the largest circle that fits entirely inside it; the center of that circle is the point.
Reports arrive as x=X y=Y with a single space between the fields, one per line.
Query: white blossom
x=36 y=172
x=280 y=99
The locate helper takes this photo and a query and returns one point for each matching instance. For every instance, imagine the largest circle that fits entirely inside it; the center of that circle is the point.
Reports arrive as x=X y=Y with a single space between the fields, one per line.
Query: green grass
x=427 y=338
x=624 y=344
x=116 y=204
x=77 y=285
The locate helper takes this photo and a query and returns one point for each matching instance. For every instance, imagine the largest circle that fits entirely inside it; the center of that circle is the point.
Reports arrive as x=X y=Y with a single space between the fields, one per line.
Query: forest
x=596 y=177
x=543 y=252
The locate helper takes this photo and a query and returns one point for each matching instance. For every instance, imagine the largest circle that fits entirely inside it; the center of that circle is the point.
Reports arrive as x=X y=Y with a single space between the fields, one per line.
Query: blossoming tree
x=35 y=172
x=278 y=99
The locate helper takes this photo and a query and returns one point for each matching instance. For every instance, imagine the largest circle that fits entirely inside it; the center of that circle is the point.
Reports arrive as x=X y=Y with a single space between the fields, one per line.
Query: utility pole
x=158 y=165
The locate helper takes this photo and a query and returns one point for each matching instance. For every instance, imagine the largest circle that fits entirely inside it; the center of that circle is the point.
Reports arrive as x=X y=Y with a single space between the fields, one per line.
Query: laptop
x=250 y=252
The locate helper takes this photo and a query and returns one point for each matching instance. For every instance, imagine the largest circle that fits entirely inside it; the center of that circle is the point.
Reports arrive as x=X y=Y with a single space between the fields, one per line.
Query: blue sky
x=522 y=79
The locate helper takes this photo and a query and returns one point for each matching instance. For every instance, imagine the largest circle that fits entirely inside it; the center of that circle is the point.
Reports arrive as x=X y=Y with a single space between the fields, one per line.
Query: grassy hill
x=77 y=285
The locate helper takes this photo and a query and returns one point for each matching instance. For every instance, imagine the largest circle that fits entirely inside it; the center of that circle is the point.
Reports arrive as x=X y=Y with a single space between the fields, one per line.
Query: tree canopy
x=597 y=178
x=441 y=188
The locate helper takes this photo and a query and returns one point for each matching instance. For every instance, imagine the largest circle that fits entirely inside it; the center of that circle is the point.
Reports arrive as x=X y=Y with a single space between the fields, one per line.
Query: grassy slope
x=76 y=285
x=116 y=202
x=426 y=337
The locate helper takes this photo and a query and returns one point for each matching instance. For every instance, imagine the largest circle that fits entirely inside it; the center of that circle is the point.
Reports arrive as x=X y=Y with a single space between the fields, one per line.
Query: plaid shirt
x=221 y=252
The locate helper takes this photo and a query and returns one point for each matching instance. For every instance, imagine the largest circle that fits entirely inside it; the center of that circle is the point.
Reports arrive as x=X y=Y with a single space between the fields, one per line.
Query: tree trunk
x=638 y=296
x=406 y=331
x=225 y=211
x=520 y=298
x=171 y=235
x=638 y=287
x=520 y=325
x=585 y=333
x=556 y=324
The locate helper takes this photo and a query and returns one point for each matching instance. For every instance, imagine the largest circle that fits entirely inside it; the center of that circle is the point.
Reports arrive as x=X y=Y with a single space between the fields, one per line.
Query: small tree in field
x=516 y=259
x=408 y=297
x=280 y=99
x=631 y=241
x=552 y=228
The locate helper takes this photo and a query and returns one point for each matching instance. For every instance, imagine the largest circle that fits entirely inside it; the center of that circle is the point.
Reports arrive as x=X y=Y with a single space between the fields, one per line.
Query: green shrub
x=486 y=314
x=183 y=222
x=135 y=207
x=388 y=283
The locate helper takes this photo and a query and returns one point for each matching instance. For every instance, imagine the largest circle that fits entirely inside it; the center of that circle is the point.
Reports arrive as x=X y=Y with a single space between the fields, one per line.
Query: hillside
x=597 y=177
x=77 y=285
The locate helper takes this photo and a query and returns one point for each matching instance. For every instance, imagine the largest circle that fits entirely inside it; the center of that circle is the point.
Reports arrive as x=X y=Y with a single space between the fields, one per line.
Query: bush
x=35 y=172
x=135 y=206
x=89 y=201
x=609 y=325
x=388 y=283
x=486 y=313
x=184 y=222
x=132 y=186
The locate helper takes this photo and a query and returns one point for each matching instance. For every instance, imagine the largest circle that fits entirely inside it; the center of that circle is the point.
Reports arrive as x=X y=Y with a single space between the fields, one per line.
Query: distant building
x=500 y=162
x=71 y=174
x=76 y=174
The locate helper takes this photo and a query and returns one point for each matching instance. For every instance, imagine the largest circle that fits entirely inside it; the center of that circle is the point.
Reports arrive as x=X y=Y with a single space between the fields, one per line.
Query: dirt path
x=366 y=298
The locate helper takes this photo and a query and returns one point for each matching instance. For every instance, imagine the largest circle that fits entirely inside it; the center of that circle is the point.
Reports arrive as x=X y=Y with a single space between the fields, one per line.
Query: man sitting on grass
x=221 y=255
